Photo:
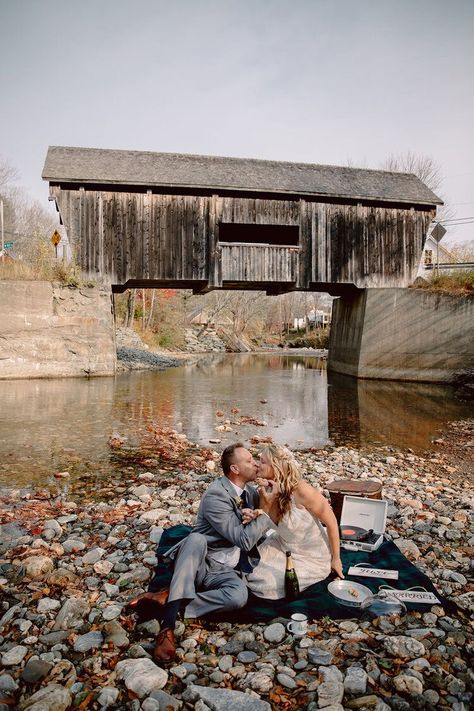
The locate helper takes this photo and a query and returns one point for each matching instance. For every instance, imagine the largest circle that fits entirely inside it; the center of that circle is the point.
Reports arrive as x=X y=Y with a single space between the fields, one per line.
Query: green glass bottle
x=292 y=587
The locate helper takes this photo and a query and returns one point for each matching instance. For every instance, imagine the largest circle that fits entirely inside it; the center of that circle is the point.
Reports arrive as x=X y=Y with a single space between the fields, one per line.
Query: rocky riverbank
x=71 y=557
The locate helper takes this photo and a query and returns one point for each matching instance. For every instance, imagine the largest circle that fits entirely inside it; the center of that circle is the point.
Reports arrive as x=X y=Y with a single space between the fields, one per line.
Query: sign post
x=56 y=239
x=438 y=233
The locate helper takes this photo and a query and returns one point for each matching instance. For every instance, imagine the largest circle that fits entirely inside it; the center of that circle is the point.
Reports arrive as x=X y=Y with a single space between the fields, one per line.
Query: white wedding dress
x=306 y=538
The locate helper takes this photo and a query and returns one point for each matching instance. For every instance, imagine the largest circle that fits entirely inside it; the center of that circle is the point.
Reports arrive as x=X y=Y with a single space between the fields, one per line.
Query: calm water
x=48 y=426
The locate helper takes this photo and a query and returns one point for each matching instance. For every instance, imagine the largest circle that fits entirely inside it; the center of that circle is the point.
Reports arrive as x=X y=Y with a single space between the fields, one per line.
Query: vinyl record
x=354 y=533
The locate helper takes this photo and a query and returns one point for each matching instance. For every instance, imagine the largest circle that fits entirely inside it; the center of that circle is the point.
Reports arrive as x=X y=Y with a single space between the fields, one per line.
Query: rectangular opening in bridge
x=280 y=235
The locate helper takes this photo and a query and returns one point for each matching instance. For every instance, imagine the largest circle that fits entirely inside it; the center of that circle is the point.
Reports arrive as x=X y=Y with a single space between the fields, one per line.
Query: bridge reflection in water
x=48 y=426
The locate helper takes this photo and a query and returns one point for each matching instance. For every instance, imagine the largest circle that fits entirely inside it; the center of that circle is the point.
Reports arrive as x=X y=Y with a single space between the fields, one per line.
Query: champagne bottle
x=292 y=588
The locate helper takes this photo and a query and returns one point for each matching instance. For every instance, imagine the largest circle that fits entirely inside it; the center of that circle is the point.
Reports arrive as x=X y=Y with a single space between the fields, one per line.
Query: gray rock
x=12 y=612
x=111 y=590
x=111 y=612
x=179 y=671
x=141 y=676
x=108 y=696
x=47 y=604
x=165 y=700
x=35 y=670
x=407 y=684
x=52 y=638
x=116 y=635
x=37 y=565
x=51 y=698
x=151 y=704
x=329 y=693
x=137 y=575
x=274 y=633
x=88 y=641
x=317 y=655
x=7 y=683
x=260 y=682
x=71 y=615
x=408 y=548
x=404 y=647
x=287 y=681
x=233 y=646
x=431 y=696
x=227 y=700
x=52 y=525
x=73 y=545
x=155 y=534
x=14 y=656
x=247 y=657
x=355 y=681
x=226 y=663
x=331 y=673
x=93 y=556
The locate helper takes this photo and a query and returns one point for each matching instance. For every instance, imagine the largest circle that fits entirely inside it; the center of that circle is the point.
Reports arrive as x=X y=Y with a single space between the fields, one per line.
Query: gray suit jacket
x=219 y=519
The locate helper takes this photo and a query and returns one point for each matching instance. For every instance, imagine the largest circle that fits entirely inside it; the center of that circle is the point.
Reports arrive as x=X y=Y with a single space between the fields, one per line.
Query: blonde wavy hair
x=287 y=475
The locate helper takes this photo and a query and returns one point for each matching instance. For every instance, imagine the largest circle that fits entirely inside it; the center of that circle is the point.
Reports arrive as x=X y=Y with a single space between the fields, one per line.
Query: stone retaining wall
x=51 y=331
x=402 y=334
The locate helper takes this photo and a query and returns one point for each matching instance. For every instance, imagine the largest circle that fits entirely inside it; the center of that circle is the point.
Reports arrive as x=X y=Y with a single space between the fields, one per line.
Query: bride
x=299 y=511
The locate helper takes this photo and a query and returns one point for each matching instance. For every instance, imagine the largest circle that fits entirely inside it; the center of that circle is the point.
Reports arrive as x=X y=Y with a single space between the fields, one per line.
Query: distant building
x=437 y=257
x=5 y=256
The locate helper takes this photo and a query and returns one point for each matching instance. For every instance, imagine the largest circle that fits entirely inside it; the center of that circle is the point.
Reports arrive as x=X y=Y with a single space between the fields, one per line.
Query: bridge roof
x=100 y=166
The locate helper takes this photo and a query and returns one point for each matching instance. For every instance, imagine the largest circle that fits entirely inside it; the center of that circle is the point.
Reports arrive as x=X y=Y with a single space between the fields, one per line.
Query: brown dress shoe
x=148 y=606
x=165 y=650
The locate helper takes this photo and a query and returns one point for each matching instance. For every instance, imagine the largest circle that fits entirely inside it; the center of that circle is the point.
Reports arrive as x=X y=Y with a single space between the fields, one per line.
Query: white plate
x=349 y=593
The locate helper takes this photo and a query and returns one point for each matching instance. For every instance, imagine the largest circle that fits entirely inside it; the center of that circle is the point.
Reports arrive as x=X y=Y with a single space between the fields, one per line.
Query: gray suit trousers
x=207 y=584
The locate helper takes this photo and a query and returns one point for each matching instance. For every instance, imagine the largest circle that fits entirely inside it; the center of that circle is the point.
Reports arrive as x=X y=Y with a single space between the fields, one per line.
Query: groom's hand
x=249 y=515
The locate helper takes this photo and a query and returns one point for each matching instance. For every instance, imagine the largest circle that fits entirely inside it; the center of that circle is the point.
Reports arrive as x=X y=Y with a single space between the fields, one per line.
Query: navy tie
x=244 y=563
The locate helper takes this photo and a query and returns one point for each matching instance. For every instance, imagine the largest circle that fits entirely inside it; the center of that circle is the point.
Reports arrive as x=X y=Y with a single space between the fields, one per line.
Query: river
x=48 y=426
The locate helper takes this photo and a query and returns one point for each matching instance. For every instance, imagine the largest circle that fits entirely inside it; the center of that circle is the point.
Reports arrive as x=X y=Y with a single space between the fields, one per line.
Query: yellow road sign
x=56 y=238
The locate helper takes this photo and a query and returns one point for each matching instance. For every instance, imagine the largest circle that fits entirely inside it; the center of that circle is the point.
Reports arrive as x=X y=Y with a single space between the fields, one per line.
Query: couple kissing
x=240 y=539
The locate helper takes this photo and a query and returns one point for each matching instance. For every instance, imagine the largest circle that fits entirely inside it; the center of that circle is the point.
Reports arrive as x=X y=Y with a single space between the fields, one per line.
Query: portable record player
x=363 y=523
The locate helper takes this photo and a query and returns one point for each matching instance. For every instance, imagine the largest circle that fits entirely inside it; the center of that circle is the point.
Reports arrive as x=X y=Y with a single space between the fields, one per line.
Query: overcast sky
x=300 y=80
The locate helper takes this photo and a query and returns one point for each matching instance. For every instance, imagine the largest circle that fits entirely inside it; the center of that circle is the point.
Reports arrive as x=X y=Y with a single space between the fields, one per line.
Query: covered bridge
x=203 y=222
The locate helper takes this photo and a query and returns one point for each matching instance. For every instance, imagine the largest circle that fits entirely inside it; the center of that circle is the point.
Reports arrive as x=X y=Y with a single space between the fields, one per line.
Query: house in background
x=436 y=258
x=434 y=254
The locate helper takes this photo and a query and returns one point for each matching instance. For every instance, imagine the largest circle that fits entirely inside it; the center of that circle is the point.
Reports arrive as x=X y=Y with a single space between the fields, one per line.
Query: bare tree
x=423 y=166
x=426 y=169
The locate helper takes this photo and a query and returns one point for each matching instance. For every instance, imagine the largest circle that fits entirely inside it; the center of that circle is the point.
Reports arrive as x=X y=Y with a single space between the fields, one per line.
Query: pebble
x=46 y=604
x=111 y=612
x=330 y=692
x=404 y=647
x=355 y=681
x=108 y=696
x=406 y=684
x=14 y=656
x=316 y=655
x=68 y=616
x=141 y=676
x=35 y=670
x=37 y=566
x=88 y=641
x=53 y=697
x=274 y=633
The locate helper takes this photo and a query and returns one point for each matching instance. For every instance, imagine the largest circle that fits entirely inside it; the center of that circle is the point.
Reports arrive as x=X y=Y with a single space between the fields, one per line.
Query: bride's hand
x=336 y=565
x=268 y=495
x=260 y=482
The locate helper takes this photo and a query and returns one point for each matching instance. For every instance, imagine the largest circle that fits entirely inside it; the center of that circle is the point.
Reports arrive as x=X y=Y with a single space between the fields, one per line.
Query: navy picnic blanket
x=315 y=602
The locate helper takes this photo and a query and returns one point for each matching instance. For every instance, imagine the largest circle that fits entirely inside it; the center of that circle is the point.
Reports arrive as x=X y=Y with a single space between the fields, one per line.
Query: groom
x=209 y=562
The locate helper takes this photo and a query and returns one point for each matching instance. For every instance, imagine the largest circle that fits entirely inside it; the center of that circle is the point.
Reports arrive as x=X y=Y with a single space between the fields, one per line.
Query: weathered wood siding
x=145 y=236
x=259 y=263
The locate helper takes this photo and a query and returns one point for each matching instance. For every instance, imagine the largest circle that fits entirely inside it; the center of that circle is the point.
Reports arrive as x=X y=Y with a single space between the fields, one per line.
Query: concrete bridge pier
x=402 y=334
